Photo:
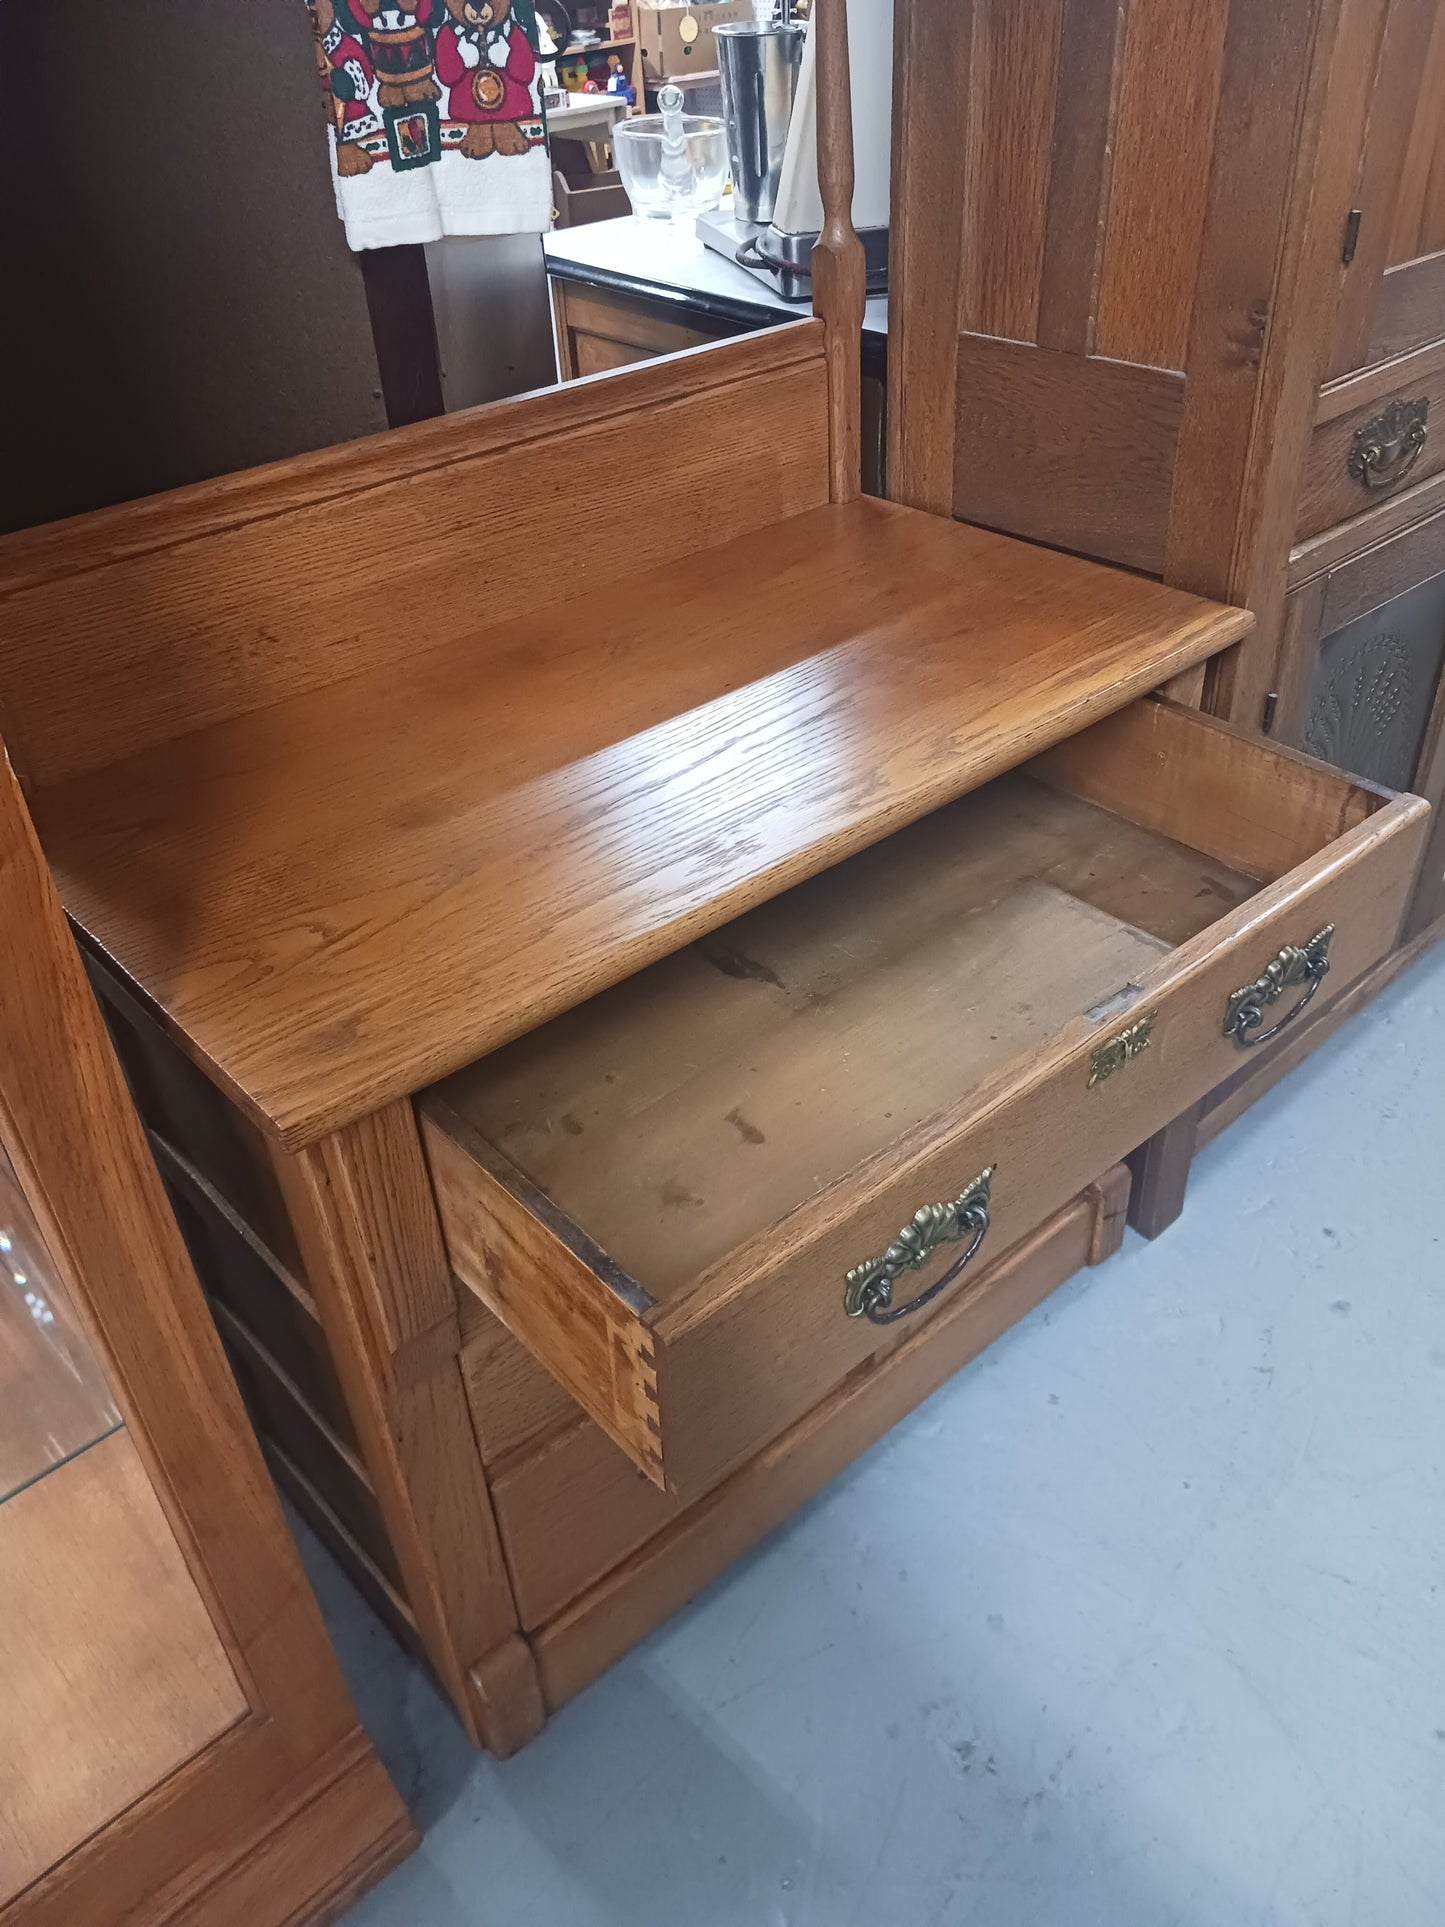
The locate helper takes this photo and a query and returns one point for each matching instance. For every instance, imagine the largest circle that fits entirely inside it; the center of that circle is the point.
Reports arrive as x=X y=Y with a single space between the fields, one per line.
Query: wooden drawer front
x=662 y=1193
x=573 y=1508
x=1342 y=481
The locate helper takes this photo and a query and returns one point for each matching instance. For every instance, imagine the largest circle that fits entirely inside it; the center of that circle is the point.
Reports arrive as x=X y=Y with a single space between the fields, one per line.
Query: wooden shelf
x=335 y=900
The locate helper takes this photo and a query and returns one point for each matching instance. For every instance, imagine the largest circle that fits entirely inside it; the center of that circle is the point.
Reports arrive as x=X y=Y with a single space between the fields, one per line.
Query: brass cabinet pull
x=1387 y=448
x=868 y=1292
x=1295 y=965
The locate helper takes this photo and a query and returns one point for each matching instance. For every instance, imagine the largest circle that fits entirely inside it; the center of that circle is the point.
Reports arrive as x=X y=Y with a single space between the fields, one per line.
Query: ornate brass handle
x=1387 y=448
x=1295 y=965
x=868 y=1292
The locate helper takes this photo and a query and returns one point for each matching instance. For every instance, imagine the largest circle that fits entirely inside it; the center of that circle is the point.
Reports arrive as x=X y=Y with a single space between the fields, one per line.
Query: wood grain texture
x=1379 y=573
x=573 y=1509
x=1159 y=1174
x=1329 y=493
x=513 y=1400
x=1276 y=1061
x=80 y=1154
x=1268 y=79
x=597 y=328
x=366 y=1224
x=550 y=1286
x=925 y=254
x=1007 y=145
x=1402 y=32
x=508 y=1696
x=1335 y=63
x=1380 y=382
x=1411 y=307
x=1397 y=517
x=328 y=924
x=95 y=1596
x=1159 y=181
x=1257 y=806
x=1411 y=211
x=1080 y=173
x=637 y=1594
x=837 y=263
x=127 y=629
x=683 y=1112
x=646 y=1139
x=1298 y=649
x=1070 y=450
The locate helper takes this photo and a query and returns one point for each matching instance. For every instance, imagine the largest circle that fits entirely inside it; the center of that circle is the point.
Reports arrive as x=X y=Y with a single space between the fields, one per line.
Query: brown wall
x=178 y=296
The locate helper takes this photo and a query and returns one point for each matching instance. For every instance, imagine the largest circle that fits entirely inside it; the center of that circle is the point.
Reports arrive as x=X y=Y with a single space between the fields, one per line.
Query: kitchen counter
x=630 y=290
x=656 y=261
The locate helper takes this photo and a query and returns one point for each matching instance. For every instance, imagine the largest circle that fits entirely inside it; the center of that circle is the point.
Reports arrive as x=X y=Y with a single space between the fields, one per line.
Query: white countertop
x=668 y=256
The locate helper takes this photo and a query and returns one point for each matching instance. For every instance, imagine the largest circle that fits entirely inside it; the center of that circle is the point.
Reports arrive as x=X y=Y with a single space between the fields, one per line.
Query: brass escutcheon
x=1115 y=1052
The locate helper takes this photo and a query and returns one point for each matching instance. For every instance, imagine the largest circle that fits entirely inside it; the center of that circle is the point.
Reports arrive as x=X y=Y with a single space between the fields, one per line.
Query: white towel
x=435 y=118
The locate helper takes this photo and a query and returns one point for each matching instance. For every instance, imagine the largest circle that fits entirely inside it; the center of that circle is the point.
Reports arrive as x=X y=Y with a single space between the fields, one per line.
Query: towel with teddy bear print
x=435 y=118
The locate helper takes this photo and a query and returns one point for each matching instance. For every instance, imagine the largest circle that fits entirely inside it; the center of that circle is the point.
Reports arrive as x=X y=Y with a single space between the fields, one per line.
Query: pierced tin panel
x=1373 y=687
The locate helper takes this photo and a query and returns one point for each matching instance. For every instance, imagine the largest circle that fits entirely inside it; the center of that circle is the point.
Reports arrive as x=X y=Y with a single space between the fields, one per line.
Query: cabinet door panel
x=1372 y=687
x=1392 y=296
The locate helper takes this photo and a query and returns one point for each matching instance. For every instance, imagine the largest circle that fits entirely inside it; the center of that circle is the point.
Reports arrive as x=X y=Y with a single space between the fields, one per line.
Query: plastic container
x=673 y=165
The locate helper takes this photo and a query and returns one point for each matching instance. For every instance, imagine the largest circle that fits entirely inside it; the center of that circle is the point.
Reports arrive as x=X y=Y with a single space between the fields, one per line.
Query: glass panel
x=54 y=1400
x=1373 y=687
x=112 y=1674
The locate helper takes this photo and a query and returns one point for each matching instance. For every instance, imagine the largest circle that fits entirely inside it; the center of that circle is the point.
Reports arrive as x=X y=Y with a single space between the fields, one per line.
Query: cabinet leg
x=507 y=1695
x=1160 y=1173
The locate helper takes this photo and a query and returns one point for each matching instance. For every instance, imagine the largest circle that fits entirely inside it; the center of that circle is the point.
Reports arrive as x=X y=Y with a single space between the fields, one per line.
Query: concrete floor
x=1139 y=1621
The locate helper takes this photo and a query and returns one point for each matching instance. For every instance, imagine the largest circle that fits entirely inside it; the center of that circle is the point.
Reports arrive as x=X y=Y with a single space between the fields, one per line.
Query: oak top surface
x=338 y=899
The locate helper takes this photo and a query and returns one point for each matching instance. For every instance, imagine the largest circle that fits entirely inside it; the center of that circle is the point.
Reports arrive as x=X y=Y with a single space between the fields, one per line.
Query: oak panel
x=330 y=911
x=676 y=1563
x=1008 y=136
x=1329 y=493
x=95 y=1598
x=1160 y=181
x=125 y=630
x=1071 y=450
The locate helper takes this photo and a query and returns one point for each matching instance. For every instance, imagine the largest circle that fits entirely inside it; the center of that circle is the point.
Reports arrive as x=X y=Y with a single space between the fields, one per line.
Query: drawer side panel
x=574 y=1321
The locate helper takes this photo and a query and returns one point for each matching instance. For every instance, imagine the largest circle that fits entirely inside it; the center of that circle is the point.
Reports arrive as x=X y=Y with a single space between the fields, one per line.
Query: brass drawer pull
x=1293 y=966
x=869 y=1290
x=1387 y=448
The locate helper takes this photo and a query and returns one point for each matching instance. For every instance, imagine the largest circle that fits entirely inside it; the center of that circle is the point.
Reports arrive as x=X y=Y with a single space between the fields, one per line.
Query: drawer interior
x=681 y=1113
x=662 y=1192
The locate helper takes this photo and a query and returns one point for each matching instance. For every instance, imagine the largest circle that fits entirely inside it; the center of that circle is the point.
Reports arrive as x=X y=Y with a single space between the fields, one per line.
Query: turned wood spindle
x=838 y=273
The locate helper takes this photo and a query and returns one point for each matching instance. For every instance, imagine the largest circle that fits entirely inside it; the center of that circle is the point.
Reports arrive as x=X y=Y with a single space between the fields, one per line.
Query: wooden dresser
x=1176 y=279
x=613 y=1054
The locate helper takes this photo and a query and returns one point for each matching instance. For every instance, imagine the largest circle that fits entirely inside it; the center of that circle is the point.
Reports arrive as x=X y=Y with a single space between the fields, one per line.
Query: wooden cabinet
x=1392 y=295
x=613 y=1049
x=1177 y=276
x=178 y=1743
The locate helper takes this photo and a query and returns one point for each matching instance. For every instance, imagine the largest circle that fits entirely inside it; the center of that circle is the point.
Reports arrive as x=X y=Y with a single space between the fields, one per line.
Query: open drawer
x=708 y=1194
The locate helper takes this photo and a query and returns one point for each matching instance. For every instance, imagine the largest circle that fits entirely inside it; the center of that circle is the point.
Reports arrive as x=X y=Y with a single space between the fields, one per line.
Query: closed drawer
x=573 y=1508
x=1363 y=456
x=663 y=1193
